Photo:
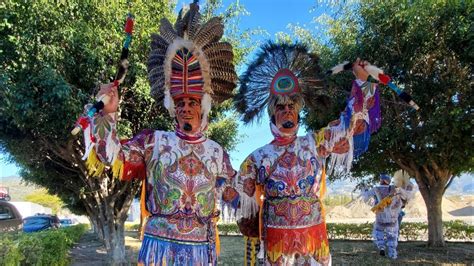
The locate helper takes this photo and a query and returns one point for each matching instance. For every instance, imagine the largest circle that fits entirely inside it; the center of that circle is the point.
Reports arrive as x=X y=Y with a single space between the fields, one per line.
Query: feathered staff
x=377 y=74
x=83 y=121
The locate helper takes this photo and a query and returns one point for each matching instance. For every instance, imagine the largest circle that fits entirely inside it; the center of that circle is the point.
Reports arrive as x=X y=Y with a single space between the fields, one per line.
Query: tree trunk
x=432 y=181
x=118 y=244
x=107 y=208
x=435 y=220
x=432 y=190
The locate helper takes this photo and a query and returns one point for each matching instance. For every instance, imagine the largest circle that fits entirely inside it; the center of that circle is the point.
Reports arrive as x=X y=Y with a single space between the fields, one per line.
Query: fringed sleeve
x=225 y=185
x=349 y=136
x=250 y=198
x=104 y=149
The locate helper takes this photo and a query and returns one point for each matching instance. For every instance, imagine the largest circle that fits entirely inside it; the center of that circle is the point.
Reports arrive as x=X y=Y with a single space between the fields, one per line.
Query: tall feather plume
x=155 y=66
x=217 y=48
x=193 y=18
x=180 y=24
x=166 y=31
x=210 y=32
x=401 y=179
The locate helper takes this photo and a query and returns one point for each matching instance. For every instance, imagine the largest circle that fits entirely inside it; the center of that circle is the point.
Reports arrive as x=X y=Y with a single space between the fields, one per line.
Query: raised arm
x=367 y=195
x=250 y=198
x=348 y=136
x=127 y=157
x=225 y=184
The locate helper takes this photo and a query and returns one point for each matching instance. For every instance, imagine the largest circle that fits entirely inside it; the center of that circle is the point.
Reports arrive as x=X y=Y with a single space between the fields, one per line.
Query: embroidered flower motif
x=249 y=186
x=190 y=165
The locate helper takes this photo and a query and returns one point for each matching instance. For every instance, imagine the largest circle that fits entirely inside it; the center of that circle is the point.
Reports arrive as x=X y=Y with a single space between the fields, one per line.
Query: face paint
x=286 y=118
x=188 y=114
x=187 y=127
x=288 y=124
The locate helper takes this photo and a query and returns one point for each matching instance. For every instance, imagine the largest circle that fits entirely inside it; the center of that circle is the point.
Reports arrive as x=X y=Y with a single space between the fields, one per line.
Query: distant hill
x=18 y=189
x=462 y=185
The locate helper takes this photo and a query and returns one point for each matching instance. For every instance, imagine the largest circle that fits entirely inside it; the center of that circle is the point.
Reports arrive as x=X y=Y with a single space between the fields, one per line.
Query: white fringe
x=169 y=103
x=206 y=104
x=342 y=162
x=89 y=145
x=112 y=148
x=248 y=206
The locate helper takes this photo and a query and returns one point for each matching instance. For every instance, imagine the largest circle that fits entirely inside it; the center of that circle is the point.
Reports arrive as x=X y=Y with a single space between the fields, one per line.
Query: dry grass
x=343 y=252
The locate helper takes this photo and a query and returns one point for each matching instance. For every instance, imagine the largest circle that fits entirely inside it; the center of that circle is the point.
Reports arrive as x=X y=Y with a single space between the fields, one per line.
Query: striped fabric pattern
x=186 y=75
x=252 y=247
x=161 y=251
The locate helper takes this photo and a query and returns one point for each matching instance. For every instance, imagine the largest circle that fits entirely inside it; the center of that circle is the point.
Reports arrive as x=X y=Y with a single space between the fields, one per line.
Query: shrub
x=228 y=229
x=453 y=230
x=132 y=227
x=42 y=248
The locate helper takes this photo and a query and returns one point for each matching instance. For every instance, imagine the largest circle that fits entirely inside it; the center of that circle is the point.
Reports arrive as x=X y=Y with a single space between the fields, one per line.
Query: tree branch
x=449 y=183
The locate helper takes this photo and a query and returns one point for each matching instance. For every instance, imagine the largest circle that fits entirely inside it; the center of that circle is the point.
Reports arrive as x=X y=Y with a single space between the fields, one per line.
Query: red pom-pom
x=83 y=122
x=129 y=25
x=384 y=79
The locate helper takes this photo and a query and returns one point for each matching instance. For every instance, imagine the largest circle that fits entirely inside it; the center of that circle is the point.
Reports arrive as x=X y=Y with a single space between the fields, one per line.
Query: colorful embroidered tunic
x=289 y=174
x=184 y=178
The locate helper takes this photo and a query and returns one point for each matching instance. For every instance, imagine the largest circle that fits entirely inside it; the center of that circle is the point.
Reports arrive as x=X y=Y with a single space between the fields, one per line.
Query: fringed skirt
x=299 y=246
x=167 y=252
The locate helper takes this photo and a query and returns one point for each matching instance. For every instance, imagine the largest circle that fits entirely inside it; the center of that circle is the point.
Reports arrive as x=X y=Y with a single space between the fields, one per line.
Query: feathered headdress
x=279 y=70
x=188 y=60
x=401 y=179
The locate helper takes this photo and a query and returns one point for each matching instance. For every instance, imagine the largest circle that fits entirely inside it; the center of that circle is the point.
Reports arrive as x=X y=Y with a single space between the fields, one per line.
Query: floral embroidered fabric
x=184 y=180
x=292 y=176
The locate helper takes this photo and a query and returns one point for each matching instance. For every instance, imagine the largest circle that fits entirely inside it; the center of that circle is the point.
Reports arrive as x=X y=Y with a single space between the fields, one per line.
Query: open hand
x=358 y=69
x=111 y=91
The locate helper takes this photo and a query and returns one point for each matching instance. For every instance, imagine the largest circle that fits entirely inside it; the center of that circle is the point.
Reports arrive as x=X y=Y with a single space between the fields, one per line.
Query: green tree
x=43 y=198
x=53 y=56
x=428 y=50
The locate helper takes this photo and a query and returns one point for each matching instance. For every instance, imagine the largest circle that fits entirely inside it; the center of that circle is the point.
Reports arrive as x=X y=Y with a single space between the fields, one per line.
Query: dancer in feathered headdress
x=388 y=203
x=184 y=172
x=282 y=183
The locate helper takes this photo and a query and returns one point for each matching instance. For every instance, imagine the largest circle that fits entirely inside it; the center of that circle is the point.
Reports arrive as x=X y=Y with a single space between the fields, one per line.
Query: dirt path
x=89 y=251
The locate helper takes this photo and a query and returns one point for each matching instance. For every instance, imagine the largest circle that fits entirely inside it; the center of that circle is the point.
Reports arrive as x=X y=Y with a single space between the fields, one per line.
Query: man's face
x=188 y=114
x=286 y=118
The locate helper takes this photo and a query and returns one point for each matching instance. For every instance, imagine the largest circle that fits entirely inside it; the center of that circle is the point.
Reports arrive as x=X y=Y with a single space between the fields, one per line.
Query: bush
x=132 y=227
x=41 y=248
x=453 y=230
x=458 y=230
x=228 y=229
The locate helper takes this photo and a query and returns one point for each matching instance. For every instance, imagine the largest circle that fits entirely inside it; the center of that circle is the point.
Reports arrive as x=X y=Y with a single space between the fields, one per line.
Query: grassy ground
x=344 y=252
x=363 y=253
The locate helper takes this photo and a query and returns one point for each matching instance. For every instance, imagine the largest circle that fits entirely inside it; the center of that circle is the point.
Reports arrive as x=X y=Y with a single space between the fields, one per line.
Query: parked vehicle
x=10 y=218
x=4 y=194
x=67 y=222
x=40 y=222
